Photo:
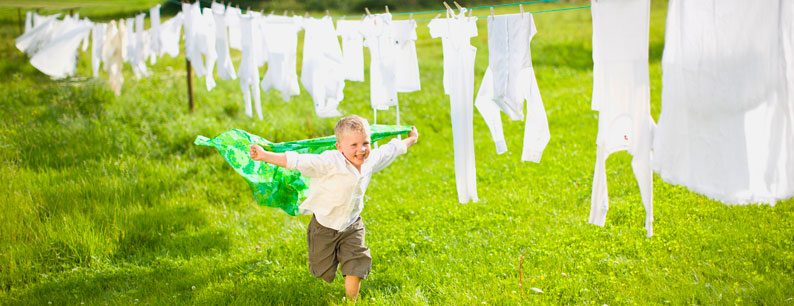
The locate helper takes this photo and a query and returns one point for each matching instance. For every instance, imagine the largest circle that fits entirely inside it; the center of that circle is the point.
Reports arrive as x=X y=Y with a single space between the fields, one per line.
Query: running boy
x=339 y=179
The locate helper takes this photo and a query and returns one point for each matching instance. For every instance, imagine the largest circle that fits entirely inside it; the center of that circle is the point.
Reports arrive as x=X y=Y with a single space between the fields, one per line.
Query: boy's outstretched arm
x=258 y=153
x=413 y=136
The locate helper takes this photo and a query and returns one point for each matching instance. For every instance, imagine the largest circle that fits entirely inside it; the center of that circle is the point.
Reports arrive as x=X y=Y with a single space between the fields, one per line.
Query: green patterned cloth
x=272 y=185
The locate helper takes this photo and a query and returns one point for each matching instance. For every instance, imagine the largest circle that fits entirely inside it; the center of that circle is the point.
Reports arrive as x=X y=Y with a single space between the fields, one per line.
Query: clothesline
x=442 y=11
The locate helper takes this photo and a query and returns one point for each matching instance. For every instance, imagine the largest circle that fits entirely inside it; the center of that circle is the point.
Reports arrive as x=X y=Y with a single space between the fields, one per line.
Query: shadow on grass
x=252 y=282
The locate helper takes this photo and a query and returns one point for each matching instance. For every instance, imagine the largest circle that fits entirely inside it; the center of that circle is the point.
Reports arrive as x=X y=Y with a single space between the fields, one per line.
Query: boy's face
x=354 y=146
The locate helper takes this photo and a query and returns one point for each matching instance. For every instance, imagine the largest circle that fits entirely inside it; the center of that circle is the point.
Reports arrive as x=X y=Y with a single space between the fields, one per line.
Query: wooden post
x=189 y=85
x=19 y=15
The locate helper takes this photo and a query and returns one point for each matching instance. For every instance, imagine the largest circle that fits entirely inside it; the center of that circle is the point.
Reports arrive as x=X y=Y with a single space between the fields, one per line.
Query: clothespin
x=327 y=13
x=367 y=10
x=411 y=16
x=521 y=7
x=285 y=13
x=492 y=14
x=387 y=9
x=272 y=12
x=306 y=15
x=457 y=5
x=471 y=12
x=248 y=9
x=447 y=5
x=238 y=6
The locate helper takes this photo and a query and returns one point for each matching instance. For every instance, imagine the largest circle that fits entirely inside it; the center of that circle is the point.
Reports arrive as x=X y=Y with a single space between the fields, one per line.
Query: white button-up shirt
x=336 y=187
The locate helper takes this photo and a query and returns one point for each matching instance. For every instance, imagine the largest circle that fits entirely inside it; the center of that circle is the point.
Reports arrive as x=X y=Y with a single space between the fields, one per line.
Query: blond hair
x=351 y=123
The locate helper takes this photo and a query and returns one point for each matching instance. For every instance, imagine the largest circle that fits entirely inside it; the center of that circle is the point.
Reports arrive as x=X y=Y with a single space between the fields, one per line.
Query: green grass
x=106 y=201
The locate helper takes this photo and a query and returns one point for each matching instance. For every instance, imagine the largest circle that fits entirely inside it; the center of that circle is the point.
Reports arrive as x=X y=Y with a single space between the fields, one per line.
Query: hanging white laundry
x=58 y=59
x=28 y=21
x=154 y=30
x=225 y=67
x=726 y=129
x=41 y=34
x=98 y=40
x=208 y=46
x=84 y=45
x=233 y=22
x=191 y=14
x=455 y=32
x=509 y=80
x=378 y=37
x=621 y=94
x=137 y=48
x=352 y=48
x=281 y=38
x=322 y=72
x=248 y=70
x=169 y=36
x=406 y=63
x=129 y=33
x=112 y=54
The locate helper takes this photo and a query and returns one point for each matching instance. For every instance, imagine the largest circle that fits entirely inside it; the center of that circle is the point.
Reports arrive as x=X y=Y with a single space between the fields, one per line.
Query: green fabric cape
x=272 y=185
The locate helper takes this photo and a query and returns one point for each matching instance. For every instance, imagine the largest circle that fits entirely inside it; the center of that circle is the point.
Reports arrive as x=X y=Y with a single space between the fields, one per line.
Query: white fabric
x=28 y=21
x=726 y=129
x=336 y=190
x=129 y=33
x=352 y=49
x=233 y=22
x=154 y=31
x=44 y=28
x=509 y=80
x=407 y=65
x=281 y=39
x=58 y=59
x=138 y=49
x=207 y=46
x=169 y=36
x=191 y=14
x=86 y=38
x=248 y=70
x=225 y=67
x=322 y=72
x=97 y=40
x=378 y=37
x=112 y=53
x=455 y=33
x=621 y=95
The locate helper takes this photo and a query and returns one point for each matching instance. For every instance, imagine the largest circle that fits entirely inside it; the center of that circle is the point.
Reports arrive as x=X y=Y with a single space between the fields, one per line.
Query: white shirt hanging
x=407 y=64
x=455 y=33
x=322 y=72
x=352 y=48
x=281 y=39
x=378 y=37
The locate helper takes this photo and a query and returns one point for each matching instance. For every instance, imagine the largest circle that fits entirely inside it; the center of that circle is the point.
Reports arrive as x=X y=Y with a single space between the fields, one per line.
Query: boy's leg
x=354 y=258
x=352 y=284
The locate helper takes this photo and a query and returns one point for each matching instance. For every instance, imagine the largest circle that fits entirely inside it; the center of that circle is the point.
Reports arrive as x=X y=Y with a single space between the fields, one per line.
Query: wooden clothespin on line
x=492 y=14
x=457 y=5
x=248 y=9
x=521 y=8
x=367 y=10
x=306 y=15
x=327 y=13
x=387 y=9
x=272 y=12
x=411 y=16
x=285 y=13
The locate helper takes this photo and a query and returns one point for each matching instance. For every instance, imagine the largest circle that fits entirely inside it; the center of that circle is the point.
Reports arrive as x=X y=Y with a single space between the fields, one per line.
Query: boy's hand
x=413 y=133
x=256 y=152
x=413 y=136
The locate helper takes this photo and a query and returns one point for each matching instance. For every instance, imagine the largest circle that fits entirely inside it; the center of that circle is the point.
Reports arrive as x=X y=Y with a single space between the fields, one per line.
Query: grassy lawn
x=106 y=200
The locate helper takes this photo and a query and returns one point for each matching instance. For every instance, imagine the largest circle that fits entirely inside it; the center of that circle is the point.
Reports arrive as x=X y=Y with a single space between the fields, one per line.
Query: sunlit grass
x=106 y=200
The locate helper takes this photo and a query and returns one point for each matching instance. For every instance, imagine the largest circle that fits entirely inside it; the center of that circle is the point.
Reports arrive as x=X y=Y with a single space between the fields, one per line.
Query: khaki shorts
x=328 y=248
